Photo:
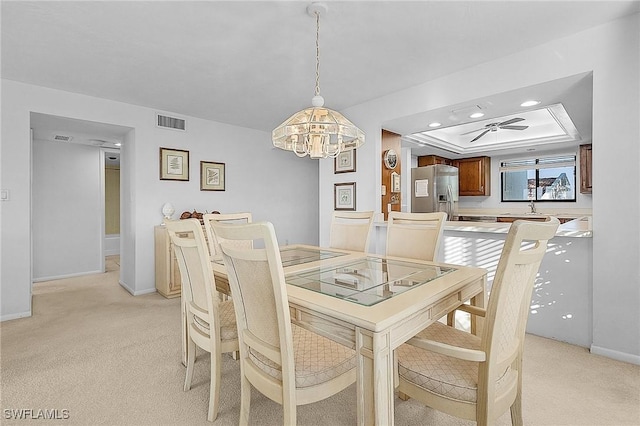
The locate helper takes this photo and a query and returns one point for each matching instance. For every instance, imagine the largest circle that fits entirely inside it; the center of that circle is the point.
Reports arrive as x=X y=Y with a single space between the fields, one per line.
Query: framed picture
x=344 y=196
x=174 y=164
x=395 y=182
x=345 y=162
x=211 y=176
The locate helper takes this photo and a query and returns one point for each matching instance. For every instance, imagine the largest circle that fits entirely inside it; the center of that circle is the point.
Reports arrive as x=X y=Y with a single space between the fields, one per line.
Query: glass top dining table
x=369 y=280
x=365 y=281
x=373 y=304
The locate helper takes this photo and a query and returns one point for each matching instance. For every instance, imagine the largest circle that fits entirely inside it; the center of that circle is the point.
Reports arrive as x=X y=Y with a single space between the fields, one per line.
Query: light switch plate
x=4 y=195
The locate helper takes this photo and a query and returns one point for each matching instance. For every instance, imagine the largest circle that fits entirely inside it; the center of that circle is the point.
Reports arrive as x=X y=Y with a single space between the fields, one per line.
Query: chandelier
x=318 y=132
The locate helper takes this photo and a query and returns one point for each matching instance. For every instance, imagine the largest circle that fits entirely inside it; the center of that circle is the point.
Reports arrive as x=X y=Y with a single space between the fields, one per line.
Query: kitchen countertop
x=520 y=212
x=577 y=228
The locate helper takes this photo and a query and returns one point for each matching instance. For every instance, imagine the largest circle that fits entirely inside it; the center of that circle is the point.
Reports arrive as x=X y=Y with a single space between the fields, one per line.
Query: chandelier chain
x=317 y=53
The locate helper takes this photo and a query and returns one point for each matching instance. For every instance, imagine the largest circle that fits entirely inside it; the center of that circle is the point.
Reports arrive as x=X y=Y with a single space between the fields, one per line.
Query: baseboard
x=15 y=316
x=147 y=291
x=126 y=287
x=112 y=245
x=137 y=293
x=619 y=356
x=60 y=277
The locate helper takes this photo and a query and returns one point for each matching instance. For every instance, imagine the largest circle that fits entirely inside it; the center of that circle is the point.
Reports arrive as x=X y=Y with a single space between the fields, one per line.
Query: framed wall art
x=395 y=182
x=211 y=176
x=174 y=164
x=345 y=162
x=344 y=196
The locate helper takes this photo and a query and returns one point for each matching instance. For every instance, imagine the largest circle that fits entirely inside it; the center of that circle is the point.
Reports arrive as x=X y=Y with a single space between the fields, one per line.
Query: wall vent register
x=171 y=122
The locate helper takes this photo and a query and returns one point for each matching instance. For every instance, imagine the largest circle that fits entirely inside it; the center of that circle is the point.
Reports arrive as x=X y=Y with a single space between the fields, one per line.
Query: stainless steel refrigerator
x=435 y=189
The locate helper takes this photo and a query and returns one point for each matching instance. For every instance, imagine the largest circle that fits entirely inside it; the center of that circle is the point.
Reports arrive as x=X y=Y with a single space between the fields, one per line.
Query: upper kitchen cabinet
x=585 y=169
x=474 y=175
x=429 y=160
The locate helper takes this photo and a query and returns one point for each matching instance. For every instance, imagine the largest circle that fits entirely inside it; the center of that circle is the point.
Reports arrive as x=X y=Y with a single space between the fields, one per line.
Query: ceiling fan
x=493 y=127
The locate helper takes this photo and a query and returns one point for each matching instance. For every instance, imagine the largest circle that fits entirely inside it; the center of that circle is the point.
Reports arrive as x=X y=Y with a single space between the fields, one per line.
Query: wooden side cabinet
x=474 y=175
x=585 y=169
x=167 y=272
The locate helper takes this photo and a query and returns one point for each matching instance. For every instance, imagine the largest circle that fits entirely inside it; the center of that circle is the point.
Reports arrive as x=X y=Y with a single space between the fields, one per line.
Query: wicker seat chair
x=480 y=377
x=210 y=323
x=287 y=363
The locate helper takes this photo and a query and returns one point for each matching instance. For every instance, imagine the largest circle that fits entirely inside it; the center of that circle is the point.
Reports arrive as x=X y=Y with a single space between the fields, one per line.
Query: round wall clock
x=390 y=159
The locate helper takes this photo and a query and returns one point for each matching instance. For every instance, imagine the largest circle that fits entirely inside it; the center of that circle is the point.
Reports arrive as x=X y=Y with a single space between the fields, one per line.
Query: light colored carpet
x=113 y=359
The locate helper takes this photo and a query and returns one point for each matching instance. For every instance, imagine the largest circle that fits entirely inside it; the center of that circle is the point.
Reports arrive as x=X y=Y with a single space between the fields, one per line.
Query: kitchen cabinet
x=168 y=281
x=585 y=169
x=429 y=160
x=474 y=176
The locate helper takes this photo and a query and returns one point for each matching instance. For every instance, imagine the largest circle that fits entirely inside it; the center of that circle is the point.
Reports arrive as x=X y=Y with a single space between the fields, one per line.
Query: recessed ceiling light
x=435 y=124
x=529 y=103
x=477 y=115
x=118 y=144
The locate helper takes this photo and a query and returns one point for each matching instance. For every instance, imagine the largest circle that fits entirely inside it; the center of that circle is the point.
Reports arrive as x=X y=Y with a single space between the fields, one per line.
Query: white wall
x=560 y=309
x=611 y=51
x=67 y=210
x=273 y=184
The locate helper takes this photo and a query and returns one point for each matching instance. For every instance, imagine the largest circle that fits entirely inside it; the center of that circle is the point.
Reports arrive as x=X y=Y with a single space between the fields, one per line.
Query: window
x=539 y=179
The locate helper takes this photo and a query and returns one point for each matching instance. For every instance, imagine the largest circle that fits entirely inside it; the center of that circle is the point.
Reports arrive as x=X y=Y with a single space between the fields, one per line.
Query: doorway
x=111 y=188
x=68 y=208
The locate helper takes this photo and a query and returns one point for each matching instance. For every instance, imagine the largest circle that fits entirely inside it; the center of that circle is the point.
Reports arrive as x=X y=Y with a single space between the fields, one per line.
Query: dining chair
x=210 y=323
x=232 y=218
x=415 y=235
x=351 y=230
x=480 y=377
x=287 y=363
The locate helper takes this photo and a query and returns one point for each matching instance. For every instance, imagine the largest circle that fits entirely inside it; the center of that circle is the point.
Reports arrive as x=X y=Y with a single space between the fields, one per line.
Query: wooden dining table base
x=374 y=350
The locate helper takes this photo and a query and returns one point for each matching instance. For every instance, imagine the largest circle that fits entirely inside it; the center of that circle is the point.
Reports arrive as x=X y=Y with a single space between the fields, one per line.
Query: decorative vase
x=168 y=210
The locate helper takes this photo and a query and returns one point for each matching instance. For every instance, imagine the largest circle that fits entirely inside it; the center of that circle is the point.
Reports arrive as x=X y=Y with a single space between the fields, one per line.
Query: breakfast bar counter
x=562 y=296
x=579 y=227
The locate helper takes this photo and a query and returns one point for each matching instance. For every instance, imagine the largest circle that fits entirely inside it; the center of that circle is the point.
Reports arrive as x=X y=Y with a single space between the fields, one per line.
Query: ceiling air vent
x=62 y=138
x=171 y=122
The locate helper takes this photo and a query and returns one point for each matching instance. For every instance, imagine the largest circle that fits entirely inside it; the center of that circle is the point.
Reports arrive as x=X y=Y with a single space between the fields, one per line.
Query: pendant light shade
x=317 y=131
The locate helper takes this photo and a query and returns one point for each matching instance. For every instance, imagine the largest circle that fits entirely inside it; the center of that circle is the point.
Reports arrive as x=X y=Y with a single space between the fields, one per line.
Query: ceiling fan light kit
x=318 y=132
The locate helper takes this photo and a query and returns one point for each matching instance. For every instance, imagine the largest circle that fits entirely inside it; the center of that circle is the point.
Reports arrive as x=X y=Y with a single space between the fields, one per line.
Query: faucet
x=533 y=206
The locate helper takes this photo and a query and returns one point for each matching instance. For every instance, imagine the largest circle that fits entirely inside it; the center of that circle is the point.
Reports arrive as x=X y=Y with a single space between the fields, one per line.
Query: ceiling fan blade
x=473 y=131
x=514 y=127
x=513 y=120
x=479 y=136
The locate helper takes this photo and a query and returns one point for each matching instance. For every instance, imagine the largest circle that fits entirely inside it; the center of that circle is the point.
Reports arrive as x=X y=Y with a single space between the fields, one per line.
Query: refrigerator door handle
x=449 y=201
